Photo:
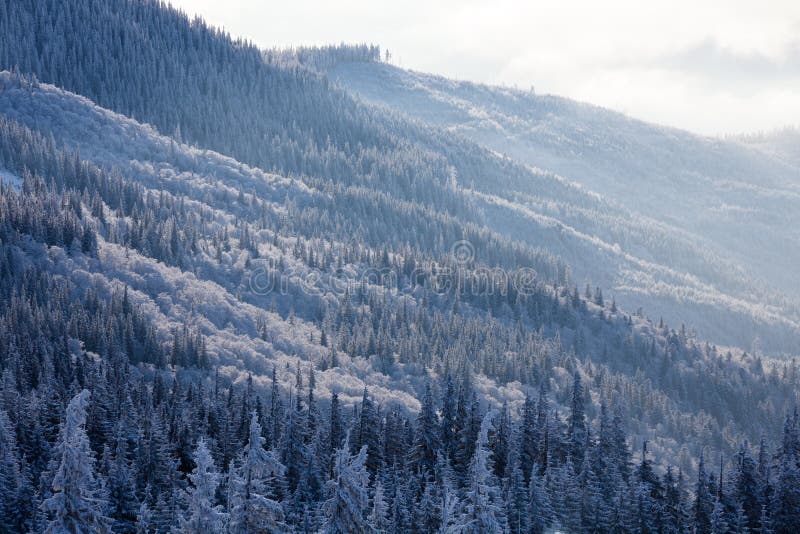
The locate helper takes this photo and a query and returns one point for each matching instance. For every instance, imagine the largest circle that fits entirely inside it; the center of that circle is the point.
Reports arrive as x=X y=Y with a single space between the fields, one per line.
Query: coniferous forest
x=236 y=297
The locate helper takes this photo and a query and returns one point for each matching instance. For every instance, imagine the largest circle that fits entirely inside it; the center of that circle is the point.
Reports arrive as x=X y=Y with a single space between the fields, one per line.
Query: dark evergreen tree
x=577 y=432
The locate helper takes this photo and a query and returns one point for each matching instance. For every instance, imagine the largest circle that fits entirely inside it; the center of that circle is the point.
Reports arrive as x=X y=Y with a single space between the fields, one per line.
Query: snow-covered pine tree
x=121 y=480
x=77 y=502
x=447 y=432
x=427 y=439
x=367 y=433
x=10 y=475
x=746 y=487
x=378 y=517
x=203 y=514
x=528 y=436
x=482 y=508
x=787 y=497
x=517 y=497
x=144 y=519
x=703 y=501
x=577 y=432
x=540 y=514
x=346 y=508
x=252 y=499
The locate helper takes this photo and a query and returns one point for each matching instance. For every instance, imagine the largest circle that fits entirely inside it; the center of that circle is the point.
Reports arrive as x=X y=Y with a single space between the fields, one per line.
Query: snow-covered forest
x=236 y=298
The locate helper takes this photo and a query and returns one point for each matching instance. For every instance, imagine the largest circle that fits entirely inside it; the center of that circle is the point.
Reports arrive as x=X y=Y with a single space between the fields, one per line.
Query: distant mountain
x=710 y=221
x=783 y=144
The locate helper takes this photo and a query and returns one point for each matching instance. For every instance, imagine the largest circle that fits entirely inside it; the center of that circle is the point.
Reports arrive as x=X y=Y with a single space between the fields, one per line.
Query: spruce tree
x=482 y=508
x=703 y=501
x=378 y=518
x=576 y=431
x=747 y=491
x=77 y=502
x=348 y=502
x=787 y=497
x=367 y=433
x=203 y=514
x=540 y=513
x=10 y=477
x=122 y=501
x=252 y=489
x=426 y=436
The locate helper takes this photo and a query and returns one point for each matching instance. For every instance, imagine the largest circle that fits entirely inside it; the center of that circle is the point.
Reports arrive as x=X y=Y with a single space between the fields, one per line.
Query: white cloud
x=713 y=67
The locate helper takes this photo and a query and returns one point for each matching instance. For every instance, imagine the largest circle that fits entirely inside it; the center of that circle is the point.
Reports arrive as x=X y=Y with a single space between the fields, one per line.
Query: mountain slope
x=728 y=207
x=783 y=144
x=186 y=245
x=282 y=116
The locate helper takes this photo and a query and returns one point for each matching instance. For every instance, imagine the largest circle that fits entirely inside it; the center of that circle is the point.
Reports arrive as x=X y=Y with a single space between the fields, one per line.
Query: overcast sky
x=713 y=67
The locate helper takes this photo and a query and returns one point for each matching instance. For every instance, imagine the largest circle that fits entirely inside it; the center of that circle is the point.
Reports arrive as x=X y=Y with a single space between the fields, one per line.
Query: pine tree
x=765 y=525
x=593 y=514
x=77 y=502
x=787 y=497
x=539 y=511
x=275 y=412
x=335 y=433
x=203 y=515
x=500 y=442
x=517 y=498
x=528 y=436
x=378 y=517
x=448 y=521
x=122 y=501
x=718 y=519
x=346 y=508
x=619 y=445
x=367 y=433
x=144 y=519
x=469 y=424
x=747 y=488
x=703 y=501
x=674 y=510
x=293 y=451
x=10 y=477
x=402 y=503
x=252 y=503
x=577 y=432
x=426 y=436
x=482 y=509
x=448 y=430
x=428 y=512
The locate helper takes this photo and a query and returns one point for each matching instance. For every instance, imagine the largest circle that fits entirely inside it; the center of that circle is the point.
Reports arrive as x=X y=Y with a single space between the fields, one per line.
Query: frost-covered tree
x=348 y=502
x=367 y=433
x=252 y=491
x=203 y=514
x=787 y=497
x=577 y=422
x=121 y=484
x=10 y=476
x=379 y=515
x=482 y=508
x=77 y=502
x=539 y=510
x=427 y=440
x=144 y=520
x=517 y=499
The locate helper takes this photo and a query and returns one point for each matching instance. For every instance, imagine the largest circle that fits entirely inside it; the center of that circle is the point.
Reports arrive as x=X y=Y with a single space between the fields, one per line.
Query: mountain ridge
x=388 y=86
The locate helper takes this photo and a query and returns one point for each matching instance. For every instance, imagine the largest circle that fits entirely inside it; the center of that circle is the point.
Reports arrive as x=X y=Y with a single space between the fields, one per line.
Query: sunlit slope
x=717 y=211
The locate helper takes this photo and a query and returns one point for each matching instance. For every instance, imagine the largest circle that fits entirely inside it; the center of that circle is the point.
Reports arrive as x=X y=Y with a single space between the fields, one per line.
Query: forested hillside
x=234 y=298
x=704 y=219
